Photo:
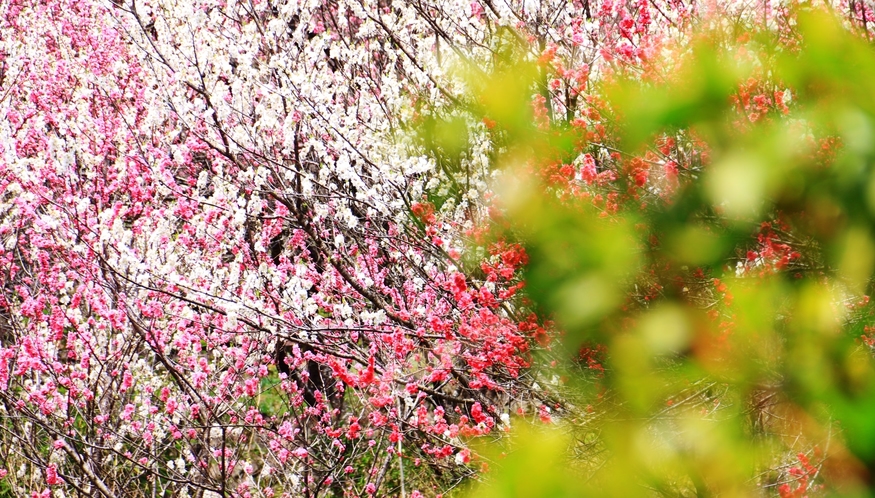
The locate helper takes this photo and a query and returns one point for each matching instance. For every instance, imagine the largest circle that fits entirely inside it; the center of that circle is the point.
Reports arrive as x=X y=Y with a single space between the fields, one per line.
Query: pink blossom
x=52 y=478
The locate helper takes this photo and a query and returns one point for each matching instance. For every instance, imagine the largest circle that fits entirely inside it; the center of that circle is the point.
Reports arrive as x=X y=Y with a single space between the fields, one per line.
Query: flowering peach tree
x=228 y=269
x=317 y=247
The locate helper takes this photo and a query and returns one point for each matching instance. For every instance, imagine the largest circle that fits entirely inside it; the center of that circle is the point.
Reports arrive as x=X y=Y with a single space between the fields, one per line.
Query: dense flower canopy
x=223 y=267
x=256 y=248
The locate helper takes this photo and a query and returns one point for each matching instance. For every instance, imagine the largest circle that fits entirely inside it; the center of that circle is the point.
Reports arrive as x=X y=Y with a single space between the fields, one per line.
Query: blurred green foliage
x=732 y=307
